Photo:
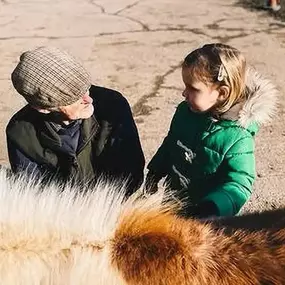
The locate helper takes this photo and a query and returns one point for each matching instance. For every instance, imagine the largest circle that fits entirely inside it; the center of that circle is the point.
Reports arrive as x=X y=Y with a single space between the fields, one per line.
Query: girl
x=208 y=154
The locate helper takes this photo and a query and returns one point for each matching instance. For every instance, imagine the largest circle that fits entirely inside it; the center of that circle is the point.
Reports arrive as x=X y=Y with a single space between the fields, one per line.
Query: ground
x=137 y=47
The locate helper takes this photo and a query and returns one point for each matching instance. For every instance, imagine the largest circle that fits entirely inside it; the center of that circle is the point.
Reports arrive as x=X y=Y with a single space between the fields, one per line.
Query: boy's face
x=81 y=109
x=200 y=97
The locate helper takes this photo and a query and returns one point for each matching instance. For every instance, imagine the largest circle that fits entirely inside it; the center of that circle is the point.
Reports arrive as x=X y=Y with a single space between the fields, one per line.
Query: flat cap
x=48 y=77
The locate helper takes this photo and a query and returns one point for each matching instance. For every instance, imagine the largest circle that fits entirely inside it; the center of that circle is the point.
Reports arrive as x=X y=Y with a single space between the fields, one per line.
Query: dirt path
x=136 y=47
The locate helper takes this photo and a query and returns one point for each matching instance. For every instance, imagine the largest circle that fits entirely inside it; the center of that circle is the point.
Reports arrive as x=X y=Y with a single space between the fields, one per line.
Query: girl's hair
x=220 y=64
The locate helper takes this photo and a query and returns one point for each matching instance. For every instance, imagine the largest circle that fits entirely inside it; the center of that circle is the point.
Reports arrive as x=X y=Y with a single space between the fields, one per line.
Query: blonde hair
x=222 y=65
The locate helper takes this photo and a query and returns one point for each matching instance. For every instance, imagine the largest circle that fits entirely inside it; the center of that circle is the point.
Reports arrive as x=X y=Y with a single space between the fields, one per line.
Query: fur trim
x=261 y=104
x=54 y=236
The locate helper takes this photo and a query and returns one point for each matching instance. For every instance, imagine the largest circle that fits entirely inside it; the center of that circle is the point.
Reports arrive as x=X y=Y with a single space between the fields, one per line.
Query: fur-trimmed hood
x=261 y=101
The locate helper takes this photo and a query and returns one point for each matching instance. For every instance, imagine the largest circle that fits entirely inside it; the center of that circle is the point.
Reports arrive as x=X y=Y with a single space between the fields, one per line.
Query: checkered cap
x=48 y=77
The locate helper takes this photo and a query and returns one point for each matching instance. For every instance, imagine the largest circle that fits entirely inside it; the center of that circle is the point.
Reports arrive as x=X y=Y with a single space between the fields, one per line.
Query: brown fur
x=159 y=248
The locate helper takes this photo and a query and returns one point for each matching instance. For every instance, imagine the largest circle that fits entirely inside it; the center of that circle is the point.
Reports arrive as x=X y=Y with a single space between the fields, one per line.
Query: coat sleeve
x=21 y=163
x=236 y=177
x=159 y=165
x=128 y=159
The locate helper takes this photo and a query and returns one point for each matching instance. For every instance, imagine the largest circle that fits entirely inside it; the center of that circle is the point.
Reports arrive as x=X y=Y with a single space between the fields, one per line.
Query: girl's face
x=200 y=97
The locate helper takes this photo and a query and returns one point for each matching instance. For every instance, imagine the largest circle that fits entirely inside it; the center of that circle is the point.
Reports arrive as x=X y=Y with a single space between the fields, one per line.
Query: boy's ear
x=224 y=92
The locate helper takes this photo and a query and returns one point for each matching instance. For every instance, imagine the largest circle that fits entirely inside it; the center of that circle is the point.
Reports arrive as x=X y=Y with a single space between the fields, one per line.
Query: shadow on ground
x=259 y=5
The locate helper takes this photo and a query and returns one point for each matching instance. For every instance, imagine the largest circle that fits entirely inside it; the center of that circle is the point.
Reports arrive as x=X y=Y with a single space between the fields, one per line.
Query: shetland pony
x=55 y=235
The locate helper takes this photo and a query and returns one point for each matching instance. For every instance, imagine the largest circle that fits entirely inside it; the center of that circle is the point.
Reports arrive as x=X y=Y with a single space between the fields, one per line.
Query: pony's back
x=54 y=235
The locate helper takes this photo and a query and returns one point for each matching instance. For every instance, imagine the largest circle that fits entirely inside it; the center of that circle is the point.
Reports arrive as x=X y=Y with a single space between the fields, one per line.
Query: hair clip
x=222 y=73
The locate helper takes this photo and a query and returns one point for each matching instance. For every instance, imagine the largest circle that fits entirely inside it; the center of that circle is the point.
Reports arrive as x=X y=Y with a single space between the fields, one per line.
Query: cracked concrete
x=140 y=108
x=137 y=47
x=117 y=13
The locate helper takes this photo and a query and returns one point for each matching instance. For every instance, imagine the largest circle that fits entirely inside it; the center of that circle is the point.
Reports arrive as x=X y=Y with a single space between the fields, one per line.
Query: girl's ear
x=224 y=92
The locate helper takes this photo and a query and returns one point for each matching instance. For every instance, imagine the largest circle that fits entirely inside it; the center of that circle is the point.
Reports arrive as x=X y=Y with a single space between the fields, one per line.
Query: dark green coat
x=206 y=159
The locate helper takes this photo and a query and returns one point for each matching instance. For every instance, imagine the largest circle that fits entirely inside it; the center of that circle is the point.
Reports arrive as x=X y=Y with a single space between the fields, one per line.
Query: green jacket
x=206 y=159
